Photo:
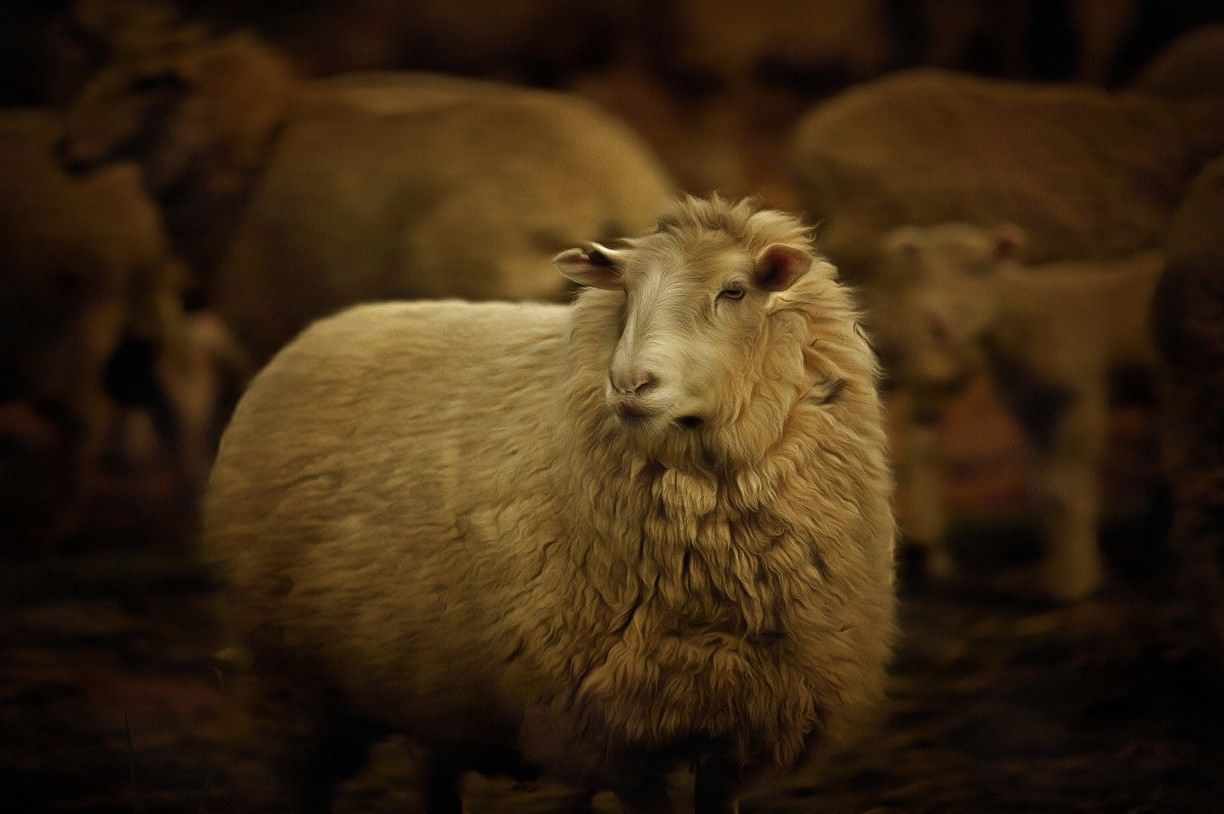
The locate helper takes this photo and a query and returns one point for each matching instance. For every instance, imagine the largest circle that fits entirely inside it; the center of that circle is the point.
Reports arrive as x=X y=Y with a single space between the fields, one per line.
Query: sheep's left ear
x=779 y=265
x=597 y=267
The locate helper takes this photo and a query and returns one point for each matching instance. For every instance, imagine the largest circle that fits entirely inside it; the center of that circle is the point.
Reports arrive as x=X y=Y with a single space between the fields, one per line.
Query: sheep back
x=387 y=186
x=1088 y=174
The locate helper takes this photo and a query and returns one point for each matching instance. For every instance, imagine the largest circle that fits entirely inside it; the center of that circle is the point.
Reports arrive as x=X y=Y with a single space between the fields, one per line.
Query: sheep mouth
x=633 y=411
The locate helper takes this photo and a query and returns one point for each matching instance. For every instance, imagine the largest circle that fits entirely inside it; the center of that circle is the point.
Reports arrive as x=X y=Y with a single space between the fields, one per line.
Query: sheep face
x=129 y=111
x=936 y=297
x=696 y=320
x=199 y=112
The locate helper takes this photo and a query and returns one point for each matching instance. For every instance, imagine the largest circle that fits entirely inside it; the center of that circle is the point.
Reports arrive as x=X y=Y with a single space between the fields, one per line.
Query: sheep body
x=478 y=552
x=951 y=301
x=1088 y=174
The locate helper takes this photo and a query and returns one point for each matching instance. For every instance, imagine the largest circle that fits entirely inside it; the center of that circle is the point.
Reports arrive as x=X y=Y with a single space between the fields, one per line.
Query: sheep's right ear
x=597 y=267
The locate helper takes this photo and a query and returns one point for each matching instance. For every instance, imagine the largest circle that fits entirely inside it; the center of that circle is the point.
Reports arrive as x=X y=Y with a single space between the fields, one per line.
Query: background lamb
x=309 y=197
x=654 y=526
x=91 y=322
x=951 y=300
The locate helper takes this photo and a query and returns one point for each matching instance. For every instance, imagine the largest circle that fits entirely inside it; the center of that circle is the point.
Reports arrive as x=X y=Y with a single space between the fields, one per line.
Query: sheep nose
x=633 y=382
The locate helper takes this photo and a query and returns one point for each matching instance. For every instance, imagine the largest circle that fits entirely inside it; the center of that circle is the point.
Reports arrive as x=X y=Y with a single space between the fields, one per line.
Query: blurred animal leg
x=717 y=780
x=649 y=796
x=1067 y=494
x=305 y=748
x=921 y=473
x=443 y=785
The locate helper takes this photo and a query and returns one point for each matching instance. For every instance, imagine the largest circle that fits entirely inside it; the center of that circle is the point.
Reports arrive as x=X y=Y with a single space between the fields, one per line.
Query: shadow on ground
x=112 y=698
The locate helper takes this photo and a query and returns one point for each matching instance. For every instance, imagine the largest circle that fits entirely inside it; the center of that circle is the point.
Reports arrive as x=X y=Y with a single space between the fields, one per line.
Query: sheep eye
x=732 y=292
x=157 y=82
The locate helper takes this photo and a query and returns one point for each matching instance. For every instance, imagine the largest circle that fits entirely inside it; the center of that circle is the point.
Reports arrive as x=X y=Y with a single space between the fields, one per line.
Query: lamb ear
x=779 y=265
x=1009 y=239
x=901 y=242
x=597 y=267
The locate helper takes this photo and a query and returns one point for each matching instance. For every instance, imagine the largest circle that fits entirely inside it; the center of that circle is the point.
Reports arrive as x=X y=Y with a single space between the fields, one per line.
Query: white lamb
x=952 y=300
x=592 y=541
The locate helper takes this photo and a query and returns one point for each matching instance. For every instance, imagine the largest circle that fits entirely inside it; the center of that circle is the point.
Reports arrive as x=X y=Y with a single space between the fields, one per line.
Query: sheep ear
x=597 y=267
x=1009 y=239
x=901 y=242
x=779 y=265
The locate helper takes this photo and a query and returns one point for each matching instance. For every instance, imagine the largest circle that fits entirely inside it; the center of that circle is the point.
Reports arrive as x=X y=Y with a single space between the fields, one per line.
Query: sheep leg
x=308 y=748
x=717 y=781
x=647 y=797
x=922 y=475
x=442 y=785
x=1069 y=436
x=133 y=378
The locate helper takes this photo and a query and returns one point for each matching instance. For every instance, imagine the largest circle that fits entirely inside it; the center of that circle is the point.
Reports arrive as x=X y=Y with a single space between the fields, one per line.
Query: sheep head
x=205 y=109
x=702 y=320
x=935 y=296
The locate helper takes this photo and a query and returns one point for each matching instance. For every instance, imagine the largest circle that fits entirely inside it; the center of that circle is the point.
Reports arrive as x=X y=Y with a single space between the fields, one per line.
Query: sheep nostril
x=646 y=382
x=689 y=422
x=635 y=384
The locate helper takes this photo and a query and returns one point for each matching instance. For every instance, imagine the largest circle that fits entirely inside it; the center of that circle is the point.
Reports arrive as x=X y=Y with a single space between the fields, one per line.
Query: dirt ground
x=113 y=697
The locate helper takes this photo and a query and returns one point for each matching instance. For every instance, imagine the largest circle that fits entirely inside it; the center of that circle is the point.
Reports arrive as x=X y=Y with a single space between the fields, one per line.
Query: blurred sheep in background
x=950 y=301
x=1084 y=172
x=295 y=199
x=92 y=325
x=1189 y=69
x=1088 y=175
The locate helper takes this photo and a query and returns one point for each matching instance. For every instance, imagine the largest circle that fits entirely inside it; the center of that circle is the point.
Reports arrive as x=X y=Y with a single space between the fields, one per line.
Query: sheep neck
x=689 y=542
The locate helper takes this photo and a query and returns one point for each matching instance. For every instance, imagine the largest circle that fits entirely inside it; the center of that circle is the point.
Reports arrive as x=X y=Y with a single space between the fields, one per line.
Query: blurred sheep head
x=197 y=112
x=935 y=296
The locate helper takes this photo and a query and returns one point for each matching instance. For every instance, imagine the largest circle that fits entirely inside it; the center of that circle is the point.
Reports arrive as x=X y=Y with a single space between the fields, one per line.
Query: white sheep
x=595 y=540
x=952 y=300
x=294 y=199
